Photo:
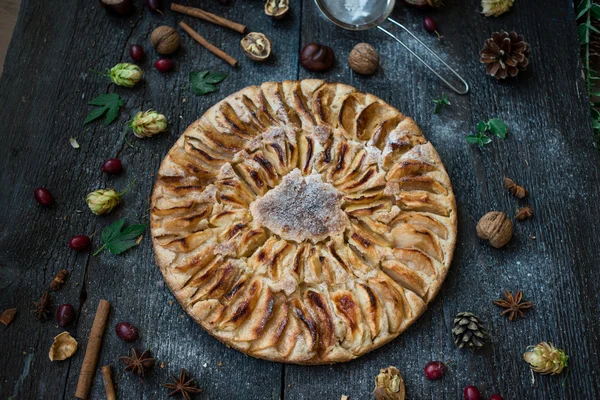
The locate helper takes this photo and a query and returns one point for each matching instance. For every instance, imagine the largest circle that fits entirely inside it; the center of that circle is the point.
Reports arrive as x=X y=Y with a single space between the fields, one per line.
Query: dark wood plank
x=550 y=150
x=45 y=88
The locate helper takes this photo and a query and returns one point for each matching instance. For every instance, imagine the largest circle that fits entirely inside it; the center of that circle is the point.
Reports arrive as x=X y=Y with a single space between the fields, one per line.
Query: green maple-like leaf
x=497 y=127
x=203 y=82
x=117 y=238
x=109 y=103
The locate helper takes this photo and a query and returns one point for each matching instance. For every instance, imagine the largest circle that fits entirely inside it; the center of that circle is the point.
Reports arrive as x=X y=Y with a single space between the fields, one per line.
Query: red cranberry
x=112 y=166
x=43 y=196
x=496 y=397
x=164 y=65
x=434 y=370
x=471 y=393
x=136 y=52
x=127 y=332
x=429 y=24
x=65 y=314
x=80 y=242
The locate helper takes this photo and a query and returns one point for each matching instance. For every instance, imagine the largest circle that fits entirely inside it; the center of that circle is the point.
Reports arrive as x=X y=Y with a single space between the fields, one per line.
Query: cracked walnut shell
x=389 y=385
x=257 y=46
x=496 y=228
x=303 y=221
x=277 y=8
x=63 y=347
x=364 y=59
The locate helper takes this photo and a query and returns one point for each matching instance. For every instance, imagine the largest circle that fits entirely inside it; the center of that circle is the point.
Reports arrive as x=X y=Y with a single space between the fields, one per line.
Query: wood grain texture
x=550 y=150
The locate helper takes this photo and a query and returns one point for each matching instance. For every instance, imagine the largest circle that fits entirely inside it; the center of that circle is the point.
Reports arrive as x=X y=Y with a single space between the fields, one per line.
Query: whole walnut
x=317 y=57
x=496 y=228
x=165 y=39
x=364 y=59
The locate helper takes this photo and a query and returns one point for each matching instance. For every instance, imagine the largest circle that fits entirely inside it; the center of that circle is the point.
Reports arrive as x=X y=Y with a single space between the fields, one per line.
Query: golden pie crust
x=303 y=221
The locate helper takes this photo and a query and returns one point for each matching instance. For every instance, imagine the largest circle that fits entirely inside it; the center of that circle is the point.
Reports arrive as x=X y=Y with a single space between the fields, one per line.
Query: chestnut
x=121 y=7
x=317 y=57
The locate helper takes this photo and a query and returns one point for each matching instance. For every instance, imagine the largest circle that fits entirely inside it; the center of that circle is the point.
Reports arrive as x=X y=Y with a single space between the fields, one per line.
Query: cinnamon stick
x=205 y=15
x=86 y=375
x=109 y=386
x=210 y=47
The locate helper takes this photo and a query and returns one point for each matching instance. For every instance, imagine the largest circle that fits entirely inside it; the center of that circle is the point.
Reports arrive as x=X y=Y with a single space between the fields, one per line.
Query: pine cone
x=468 y=331
x=505 y=54
x=546 y=359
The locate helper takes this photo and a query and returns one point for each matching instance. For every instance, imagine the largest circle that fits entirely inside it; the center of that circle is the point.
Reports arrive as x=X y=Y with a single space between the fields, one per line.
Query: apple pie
x=303 y=221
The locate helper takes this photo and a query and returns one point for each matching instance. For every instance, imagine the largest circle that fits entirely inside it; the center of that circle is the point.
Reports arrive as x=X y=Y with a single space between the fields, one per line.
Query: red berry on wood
x=112 y=166
x=496 y=397
x=154 y=6
x=43 y=196
x=471 y=393
x=121 y=7
x=65 y=314
x=136 y=52
x=429 y=24
x=80 y=242
x=434 y=370
x=164 y=65
x=127 y=331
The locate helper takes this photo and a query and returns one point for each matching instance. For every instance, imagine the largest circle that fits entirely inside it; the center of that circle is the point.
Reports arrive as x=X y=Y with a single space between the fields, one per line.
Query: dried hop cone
x=389 y=385
x=495 y=7
x=505 y=54
x=125 y=74
x=468 y=331
x=148 y=123
x=546 y=359
x=103 y=201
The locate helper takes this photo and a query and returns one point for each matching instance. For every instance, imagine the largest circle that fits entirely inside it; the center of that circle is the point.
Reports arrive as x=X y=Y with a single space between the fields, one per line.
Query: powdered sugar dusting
x=301 y=209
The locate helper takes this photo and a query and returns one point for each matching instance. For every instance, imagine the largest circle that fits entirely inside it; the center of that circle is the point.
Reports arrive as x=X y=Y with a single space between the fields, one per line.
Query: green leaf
x=95 y=113
x=440 y=103
x=482 y=127
x=110 y=103
x=595 y=10
x=582 y=8
x=203 y=82
x=480 y=139
x=117 y=239
x=583 y=33
x=497 y=127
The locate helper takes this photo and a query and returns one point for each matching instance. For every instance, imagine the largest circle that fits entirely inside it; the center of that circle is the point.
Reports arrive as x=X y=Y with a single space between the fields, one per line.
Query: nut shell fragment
x=8 y=315
x=63 y=347
x=496 y=228
x=389 y=385
x=277 y=8
x=257 y=46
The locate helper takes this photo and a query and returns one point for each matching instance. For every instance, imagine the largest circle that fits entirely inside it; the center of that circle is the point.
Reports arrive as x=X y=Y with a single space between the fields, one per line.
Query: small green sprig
x=495 y=126
x=587 y=11
x=440 y=103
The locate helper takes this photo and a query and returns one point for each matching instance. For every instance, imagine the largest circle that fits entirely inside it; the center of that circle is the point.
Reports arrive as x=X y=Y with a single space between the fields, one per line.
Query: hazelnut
x=165 y=39
x=256 y=46
x=317 y=57
x=277 y=8
x=364 y=59
x=496 y=228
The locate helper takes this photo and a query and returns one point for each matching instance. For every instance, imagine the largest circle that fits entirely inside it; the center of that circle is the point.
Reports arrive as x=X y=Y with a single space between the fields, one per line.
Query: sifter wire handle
x=451 y=86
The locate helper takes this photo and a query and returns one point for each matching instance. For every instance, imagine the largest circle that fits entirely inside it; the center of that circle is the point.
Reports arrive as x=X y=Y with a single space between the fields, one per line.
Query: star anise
x=513 y=305
x=182 y=385
x=138 y=364
x=42 y=307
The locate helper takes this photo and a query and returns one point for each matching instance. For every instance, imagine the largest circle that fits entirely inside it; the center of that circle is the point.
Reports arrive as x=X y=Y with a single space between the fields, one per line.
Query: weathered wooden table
x=550 y=150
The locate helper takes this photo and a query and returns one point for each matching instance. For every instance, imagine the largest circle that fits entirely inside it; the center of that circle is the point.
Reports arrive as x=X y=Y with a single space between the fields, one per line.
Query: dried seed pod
x=165 y=39
x=496 y=228
x=524 y=213
x=364 y=59
x=513 y=188
x=59 y=279
x=256 y=46
x=277 y=8
x=8 y=315
x=389 y=385
x=63 y=347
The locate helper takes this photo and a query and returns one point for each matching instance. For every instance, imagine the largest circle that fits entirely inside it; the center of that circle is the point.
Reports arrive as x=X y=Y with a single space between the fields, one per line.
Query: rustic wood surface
x=550 y=150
